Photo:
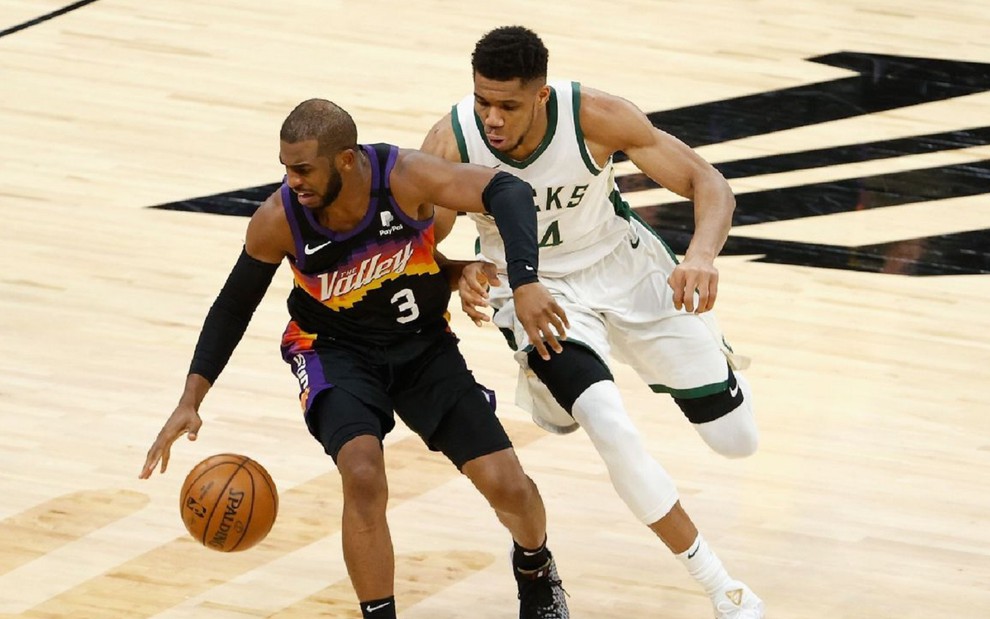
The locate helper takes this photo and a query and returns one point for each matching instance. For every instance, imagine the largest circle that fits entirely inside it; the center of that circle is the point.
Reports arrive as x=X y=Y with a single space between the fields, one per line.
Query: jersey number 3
x=405 y=302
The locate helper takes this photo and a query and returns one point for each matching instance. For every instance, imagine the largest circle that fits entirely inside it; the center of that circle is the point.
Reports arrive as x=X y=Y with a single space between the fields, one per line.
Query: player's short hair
x=321 y=120
x=510 y=52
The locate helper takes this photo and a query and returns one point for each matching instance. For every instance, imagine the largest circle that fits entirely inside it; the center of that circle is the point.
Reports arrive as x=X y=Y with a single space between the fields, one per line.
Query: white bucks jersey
x=580 y=215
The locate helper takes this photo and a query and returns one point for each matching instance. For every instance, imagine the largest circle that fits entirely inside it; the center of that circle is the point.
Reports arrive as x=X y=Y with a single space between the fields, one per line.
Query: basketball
x=228 y=502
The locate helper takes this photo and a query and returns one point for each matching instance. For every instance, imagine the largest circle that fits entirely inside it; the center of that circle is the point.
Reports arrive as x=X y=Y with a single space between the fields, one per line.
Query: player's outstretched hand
x=473 y=289
x=544 y=320
x=694 y=276
x=184 y=419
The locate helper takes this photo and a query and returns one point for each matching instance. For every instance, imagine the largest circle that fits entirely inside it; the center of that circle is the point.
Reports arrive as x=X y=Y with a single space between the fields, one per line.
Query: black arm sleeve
x=510 y=200
x=230 y=314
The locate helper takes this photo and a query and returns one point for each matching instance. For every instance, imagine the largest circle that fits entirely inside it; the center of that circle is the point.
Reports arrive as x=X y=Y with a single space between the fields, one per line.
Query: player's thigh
x=676 y=353
x=470 y=430
x=336 y=416
x=439 y=399
x=587 y=325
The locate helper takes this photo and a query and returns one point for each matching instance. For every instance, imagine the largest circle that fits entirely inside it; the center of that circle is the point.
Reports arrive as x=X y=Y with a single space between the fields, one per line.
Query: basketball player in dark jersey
x=369 y=335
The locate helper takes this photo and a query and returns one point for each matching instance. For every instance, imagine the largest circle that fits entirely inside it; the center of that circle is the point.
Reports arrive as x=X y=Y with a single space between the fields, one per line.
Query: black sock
x=379 y=609
x=530 y=559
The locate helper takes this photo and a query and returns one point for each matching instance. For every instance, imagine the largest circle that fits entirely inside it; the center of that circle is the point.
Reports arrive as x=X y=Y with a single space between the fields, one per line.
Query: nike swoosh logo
x=635 y=243
x=694 y=552
x=369 y=608
x=733 y=391
x=312 y=250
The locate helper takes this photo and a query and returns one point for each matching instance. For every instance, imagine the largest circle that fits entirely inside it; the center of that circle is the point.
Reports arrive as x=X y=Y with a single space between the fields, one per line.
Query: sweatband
x=509 y=199
x=230 y=314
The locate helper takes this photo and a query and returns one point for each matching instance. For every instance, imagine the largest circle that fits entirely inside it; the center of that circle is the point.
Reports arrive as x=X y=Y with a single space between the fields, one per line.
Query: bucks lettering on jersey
x=580 y=215
x=370 y=284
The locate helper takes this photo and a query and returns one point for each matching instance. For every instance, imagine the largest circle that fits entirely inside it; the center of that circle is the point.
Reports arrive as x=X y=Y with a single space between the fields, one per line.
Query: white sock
x=704 y=566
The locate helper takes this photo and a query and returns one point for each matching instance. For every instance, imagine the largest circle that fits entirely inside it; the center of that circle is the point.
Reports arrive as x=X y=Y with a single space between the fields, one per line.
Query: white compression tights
x=640 y=481
x=733 y=435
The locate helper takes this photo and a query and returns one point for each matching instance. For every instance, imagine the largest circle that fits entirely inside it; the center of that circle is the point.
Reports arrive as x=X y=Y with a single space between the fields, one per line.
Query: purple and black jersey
x=372 y=284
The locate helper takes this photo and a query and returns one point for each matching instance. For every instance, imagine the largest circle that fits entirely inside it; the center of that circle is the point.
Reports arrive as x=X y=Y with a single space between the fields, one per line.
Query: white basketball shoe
x=737 y=601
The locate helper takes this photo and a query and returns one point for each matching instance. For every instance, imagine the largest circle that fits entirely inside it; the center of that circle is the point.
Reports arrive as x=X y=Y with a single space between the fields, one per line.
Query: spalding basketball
x=228 y=502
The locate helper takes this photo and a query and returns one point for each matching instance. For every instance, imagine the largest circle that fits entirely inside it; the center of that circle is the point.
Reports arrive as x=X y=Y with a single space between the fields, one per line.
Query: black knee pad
x=711 y=407
x=568 y=373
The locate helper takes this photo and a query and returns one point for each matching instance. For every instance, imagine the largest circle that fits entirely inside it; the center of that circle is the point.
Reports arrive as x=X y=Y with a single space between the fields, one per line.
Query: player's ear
x=345 y=159
x=543 y=95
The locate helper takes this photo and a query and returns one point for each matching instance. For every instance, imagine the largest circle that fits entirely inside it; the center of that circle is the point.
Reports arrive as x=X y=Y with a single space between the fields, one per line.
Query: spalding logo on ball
x=228 y=502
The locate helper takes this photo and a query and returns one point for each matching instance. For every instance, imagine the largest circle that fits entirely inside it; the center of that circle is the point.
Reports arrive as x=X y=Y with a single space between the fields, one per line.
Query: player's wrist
x=521 y=275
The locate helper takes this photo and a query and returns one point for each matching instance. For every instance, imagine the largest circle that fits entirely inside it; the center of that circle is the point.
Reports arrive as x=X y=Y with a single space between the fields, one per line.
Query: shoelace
x=728 y=610
x=548 y=582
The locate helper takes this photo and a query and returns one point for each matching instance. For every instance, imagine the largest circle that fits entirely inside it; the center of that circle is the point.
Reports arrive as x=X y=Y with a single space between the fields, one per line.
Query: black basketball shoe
x=541 y=595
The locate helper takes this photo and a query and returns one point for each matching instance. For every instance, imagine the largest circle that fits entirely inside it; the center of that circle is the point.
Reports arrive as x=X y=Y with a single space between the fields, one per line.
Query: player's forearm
x=713 y=208
x=230 y=314
x=510 y=201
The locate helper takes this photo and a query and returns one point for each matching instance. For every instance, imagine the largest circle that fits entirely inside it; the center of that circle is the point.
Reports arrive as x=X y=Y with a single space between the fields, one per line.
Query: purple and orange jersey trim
x=299 y=352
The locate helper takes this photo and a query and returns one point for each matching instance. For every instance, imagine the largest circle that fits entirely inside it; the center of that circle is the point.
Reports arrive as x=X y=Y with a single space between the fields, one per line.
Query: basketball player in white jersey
x=626 y=295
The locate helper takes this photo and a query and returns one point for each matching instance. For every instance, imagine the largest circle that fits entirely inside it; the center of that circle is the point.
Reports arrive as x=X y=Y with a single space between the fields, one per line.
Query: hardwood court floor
x=869 y=496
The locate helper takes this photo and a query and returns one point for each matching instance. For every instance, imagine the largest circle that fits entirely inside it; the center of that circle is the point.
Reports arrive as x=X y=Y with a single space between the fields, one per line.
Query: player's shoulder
x=599 y=101
x=270 y=214
x=441 y=141
x=443 y=124
x=408 y=169
x=607 y=118
x=272 y=206
x=269 y=237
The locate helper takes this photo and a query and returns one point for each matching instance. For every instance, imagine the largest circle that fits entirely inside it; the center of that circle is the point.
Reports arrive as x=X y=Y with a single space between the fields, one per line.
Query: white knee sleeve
x=640 y=481
x=733 y=435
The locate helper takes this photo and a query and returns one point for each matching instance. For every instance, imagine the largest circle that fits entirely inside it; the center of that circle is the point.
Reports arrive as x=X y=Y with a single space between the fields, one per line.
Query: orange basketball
x=228 y=502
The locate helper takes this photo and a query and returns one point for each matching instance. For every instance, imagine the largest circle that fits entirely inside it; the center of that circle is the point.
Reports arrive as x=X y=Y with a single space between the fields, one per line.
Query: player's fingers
x=470 y=303
x=712 y=294
x=149 y=465
x=491 y=273
x=194 y=428
x=687 y=293
x=538 y=344
x=559 y=326
x=472 y=285
x=473 y=295
x=166 y=453
x=560 y=318
x=707 y=288
x=551 y=339
x=678 y=290
x=704 y=298
x=473 y=299
x=474 y=314
x=152 y=459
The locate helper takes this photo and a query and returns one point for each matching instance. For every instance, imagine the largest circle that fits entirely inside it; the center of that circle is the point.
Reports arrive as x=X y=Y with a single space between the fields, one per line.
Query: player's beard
x=334 y=184
x=519 y=141
x=516 y=145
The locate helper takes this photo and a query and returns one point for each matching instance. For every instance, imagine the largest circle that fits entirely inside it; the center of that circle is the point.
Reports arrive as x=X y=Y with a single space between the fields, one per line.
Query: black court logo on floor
x=880 y=83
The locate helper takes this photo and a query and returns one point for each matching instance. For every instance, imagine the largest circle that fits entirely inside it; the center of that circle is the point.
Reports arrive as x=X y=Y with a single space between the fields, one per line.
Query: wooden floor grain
x=868 y=498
